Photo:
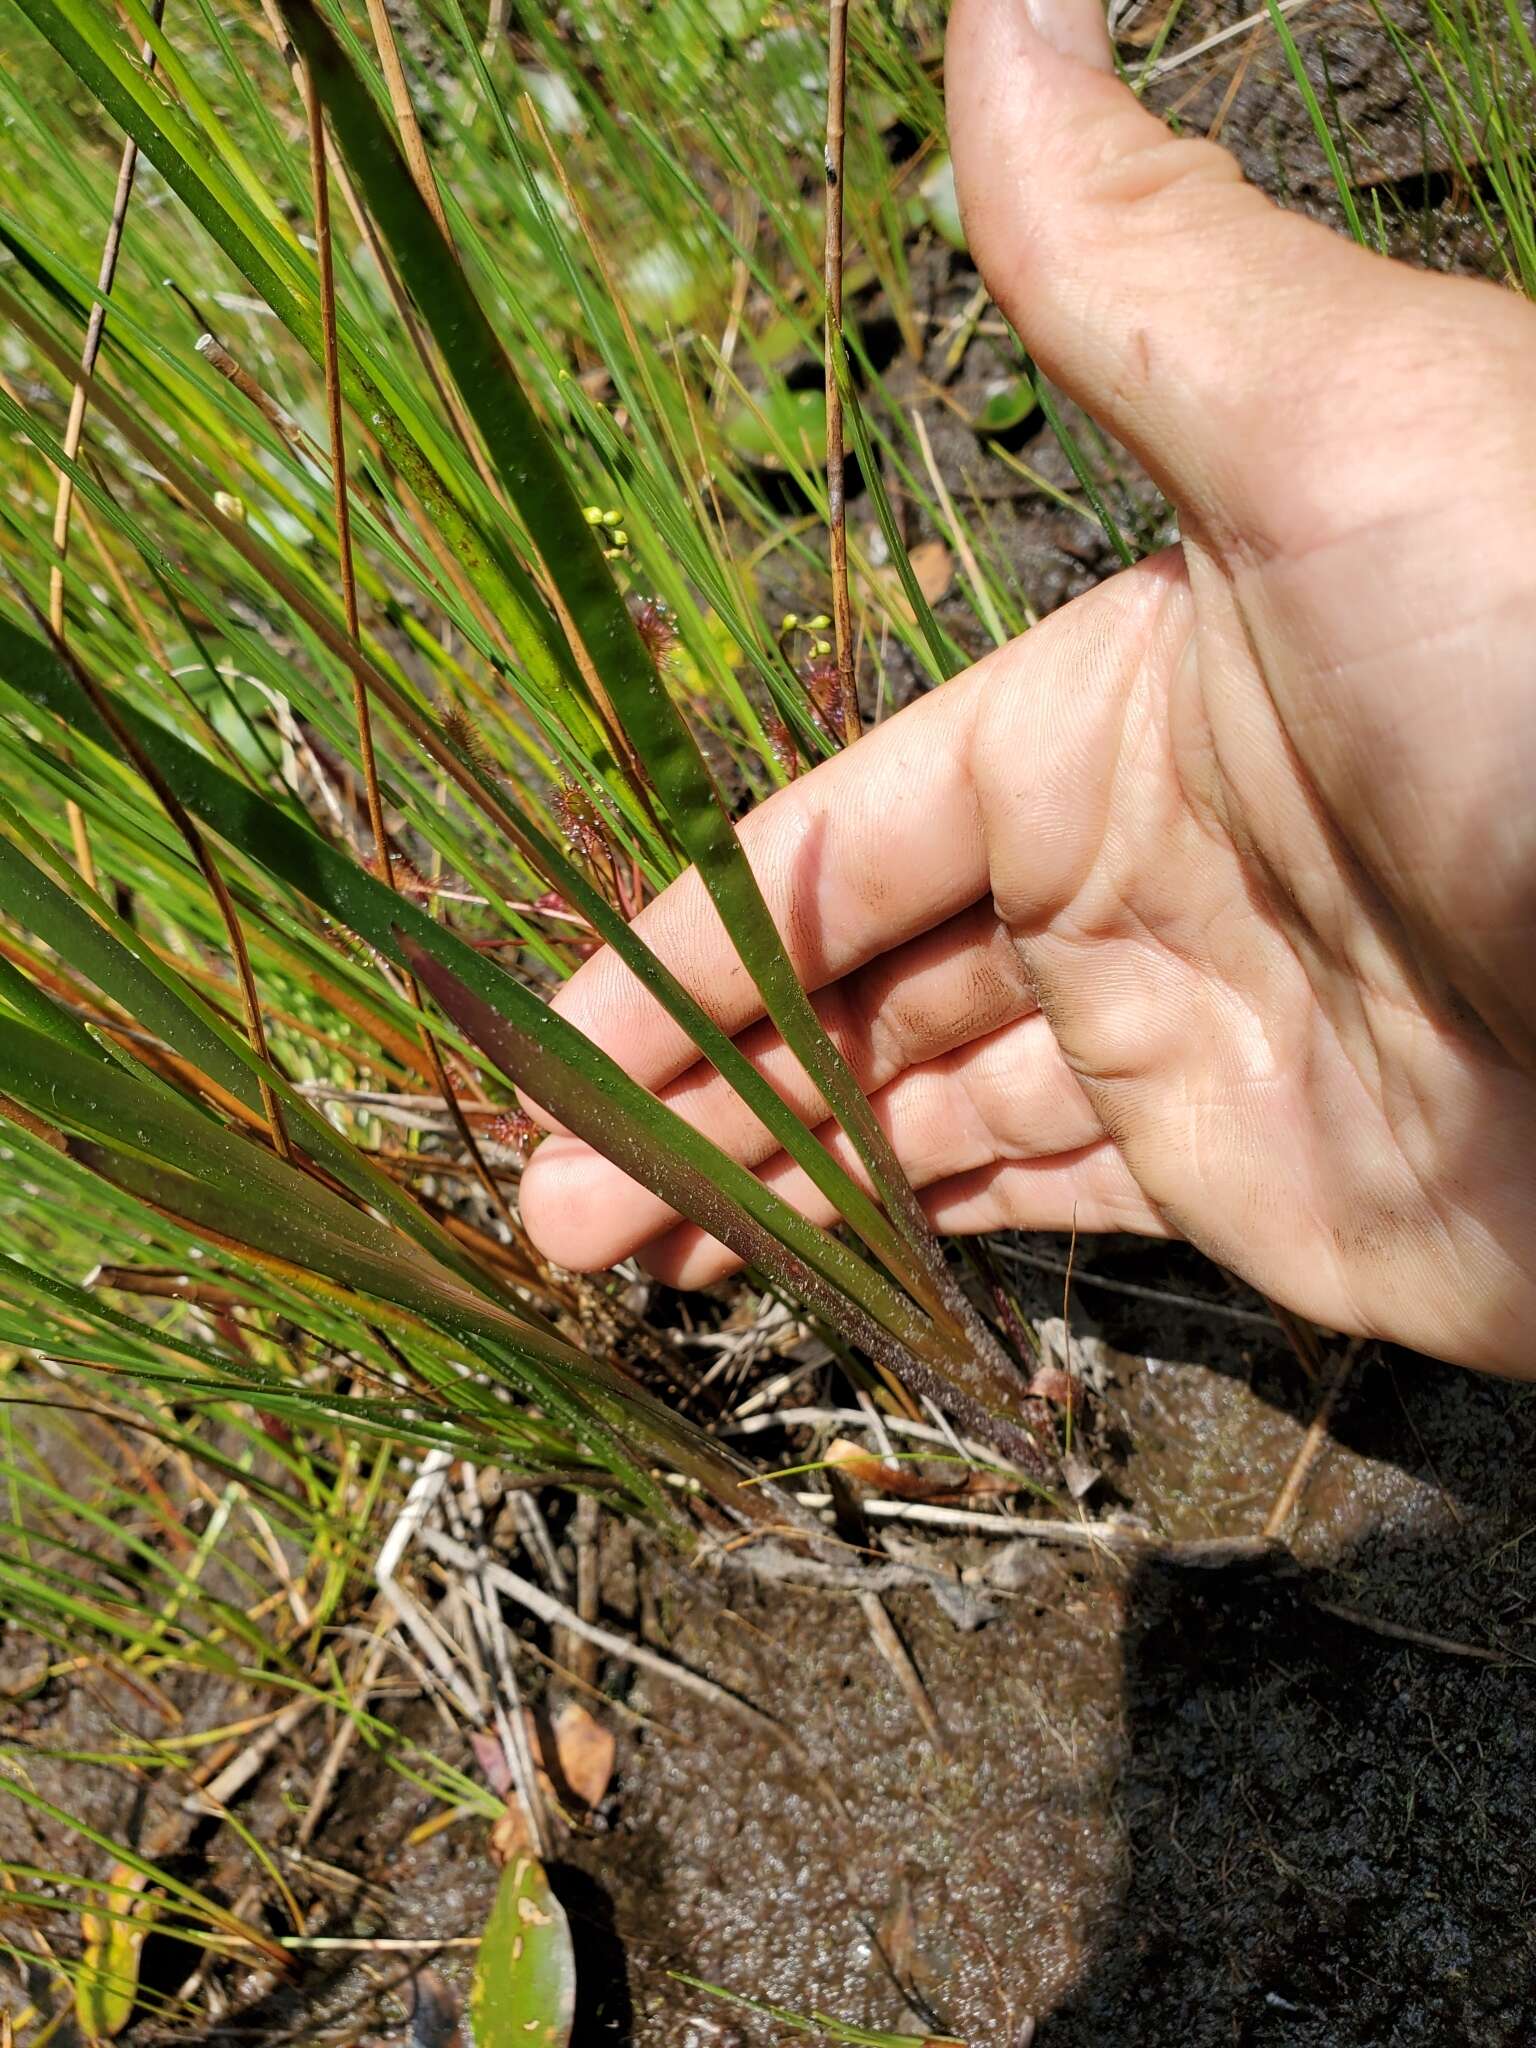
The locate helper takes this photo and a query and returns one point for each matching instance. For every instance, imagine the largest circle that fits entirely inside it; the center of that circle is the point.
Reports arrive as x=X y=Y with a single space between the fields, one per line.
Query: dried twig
x=376 y=1944
x=958 y=535
x=1399 y=1632
x=1289 y=1496
x=219 y=359
x=233 y=1779
x=425 y=1488
x=588 y=1581
x=896 y=1654
x=506 y=1696
x=966 y=1607
x=556 y=1614
x=858 y=1418
x=358 y=1693
x=1213 y=41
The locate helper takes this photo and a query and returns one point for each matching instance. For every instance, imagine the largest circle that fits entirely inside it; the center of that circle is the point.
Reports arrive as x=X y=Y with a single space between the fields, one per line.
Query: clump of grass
x=565 y=689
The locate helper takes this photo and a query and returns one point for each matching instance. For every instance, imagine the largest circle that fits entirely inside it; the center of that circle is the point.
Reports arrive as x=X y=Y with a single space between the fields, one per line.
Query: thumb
x=1222 y=340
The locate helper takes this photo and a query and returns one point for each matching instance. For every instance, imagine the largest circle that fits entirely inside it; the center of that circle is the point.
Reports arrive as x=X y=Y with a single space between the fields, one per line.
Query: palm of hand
x=1276 y=1064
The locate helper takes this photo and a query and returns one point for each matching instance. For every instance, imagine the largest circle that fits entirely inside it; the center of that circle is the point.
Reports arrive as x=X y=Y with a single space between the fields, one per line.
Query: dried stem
x=218 y=357
x=1289 y=1497
x=837 y=510
x=320 y=187
x=989 y=613
x=556 y=1614
x=75 y=428
x=448 y=397
x=411 y=139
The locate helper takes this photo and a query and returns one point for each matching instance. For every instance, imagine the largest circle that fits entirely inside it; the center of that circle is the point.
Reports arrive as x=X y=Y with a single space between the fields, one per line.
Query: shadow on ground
x=1327 y=1833
x=1182 y=1808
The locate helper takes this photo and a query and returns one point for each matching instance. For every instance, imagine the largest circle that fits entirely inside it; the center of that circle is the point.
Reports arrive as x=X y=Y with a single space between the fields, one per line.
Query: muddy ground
x=1289 y=1800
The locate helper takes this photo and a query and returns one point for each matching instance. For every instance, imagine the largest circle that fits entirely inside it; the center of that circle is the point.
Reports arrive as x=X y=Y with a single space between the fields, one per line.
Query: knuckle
x=1162 y=177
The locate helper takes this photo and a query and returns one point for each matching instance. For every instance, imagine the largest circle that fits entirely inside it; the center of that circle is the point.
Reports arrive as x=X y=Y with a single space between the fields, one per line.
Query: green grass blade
x=104 y=947
x=944 y=659
x=848 y=1198
x=166 y=1152
x=1330 y=148
x=273 y=263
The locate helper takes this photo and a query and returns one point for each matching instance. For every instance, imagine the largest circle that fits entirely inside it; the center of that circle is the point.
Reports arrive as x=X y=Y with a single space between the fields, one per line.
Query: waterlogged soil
x=1176 y=1805
x=1279 y=1801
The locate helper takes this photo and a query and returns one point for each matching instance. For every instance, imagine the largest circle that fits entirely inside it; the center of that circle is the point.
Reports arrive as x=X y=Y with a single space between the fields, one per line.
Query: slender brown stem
x=75 y=428
x=837 y=510
x=383 y=859
x=618 y=299
x=101 y=703
x=1289 y=1496
x=237 y=535
x=320 y=187
x=122 y=588
x=218 y=357
x=448 y=397
x=34 y=1125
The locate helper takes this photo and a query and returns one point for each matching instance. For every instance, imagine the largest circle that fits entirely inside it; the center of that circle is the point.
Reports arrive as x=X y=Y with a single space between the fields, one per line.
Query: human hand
x=1207 y=908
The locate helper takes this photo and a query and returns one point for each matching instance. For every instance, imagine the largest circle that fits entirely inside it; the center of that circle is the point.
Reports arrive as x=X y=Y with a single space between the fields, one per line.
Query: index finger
x=869 y=850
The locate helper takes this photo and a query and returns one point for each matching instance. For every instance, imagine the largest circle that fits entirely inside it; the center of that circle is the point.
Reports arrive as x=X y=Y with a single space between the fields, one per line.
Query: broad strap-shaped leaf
x=524 y=1990
x=112 y=1933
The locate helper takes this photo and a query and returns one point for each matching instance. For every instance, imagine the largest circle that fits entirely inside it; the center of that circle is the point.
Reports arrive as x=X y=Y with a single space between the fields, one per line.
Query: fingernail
x=1073 y=28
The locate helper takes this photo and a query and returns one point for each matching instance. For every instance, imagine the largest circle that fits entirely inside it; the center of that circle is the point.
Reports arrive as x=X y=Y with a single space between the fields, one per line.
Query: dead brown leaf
x=511 y=1835
x=1061 y=1389
x=856 y=1462
x=933 y=566
x=584 y=1753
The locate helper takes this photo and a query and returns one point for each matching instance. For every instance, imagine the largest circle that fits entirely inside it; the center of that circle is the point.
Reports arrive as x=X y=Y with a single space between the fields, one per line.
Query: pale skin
x=1207 y=908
